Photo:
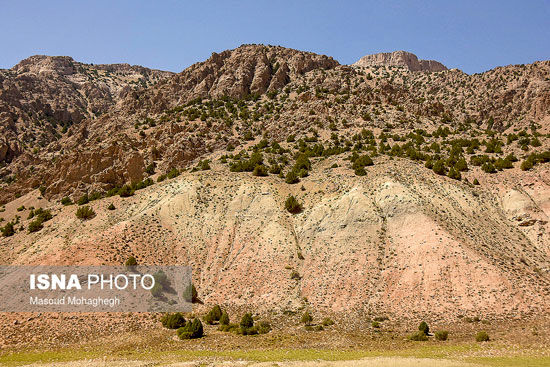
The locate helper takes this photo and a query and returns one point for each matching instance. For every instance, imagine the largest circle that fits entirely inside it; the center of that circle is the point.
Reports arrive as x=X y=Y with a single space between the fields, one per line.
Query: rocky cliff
x=400 y=58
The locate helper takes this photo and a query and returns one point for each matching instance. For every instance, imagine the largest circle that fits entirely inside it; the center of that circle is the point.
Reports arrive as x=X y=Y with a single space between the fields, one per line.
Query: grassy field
x=418 y=355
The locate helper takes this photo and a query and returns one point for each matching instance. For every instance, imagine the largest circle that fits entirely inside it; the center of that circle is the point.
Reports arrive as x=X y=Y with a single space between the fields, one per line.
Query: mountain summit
x=401 y=58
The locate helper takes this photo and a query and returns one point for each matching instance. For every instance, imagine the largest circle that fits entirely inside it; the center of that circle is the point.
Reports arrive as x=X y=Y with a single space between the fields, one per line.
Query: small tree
x=111 y=206
x=260 y=170
x=482 y=336
x=292 y=205
x=441 y=335
x=192 y=330
x=306 y=318
x=85 y=212
x=173 y=320
x=292 y=177
x=247 y=321
x=423 y=327
x=131 y=261
x=8 y=230
x=224 y=319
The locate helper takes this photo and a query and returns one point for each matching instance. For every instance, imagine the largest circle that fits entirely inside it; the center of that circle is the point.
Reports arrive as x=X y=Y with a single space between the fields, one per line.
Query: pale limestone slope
x=401 y=241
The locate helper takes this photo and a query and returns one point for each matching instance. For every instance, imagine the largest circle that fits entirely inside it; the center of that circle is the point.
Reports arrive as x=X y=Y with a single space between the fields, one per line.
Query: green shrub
x=131 y=261
x=150 y=169
x=260 y=170
x=423 y=327
x=229 y=328
x=454 y=174
x=476 y=182
x=83 y=200
x=173 y=173
x=224 y=319
x=66 y=201
x=327 y=322
x=292 y=205
x=213 y=315
x=488 y=167
x=439 y=167
x=526 y=165
x=291 y=177
x=191 y=330
x=173 y=320
x=306 y=318
x=263 y=327
x=35 y=226
x=360 y=171
x=247 y=321
x=191 y=293
x=85 y=212
x=275 y=169
x=216 y=312
x=8 y=230
x=375 y=324
x=482 y=336
x=111 y=206
x=418 y=336
x=126 y=191
x=204 y=165
x=43 y=215
x=441 y=335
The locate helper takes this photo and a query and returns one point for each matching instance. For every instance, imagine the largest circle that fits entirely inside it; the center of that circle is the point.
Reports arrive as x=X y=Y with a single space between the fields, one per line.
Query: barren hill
x=401 y=241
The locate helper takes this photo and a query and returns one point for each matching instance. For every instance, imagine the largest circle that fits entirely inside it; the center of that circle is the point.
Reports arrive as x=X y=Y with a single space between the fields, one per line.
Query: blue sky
x=471 y=35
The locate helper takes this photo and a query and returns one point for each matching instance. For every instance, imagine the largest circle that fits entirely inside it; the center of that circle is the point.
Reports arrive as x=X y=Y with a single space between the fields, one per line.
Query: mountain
x=393 y=170
x=400 y=58
x=42 y=96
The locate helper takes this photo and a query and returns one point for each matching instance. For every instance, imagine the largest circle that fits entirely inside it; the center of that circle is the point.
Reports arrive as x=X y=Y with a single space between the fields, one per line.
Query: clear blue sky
x=472 y=35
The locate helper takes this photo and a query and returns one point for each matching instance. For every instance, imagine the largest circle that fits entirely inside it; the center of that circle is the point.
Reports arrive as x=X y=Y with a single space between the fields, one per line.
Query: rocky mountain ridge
x=42 y=96
x=400 y=58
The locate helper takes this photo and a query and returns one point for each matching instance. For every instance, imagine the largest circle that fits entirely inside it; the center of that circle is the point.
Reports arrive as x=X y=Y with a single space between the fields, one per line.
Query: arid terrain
x=420 y=194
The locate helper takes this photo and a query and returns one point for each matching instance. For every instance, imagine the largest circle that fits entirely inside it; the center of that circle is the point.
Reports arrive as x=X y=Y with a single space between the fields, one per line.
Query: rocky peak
x=401 y=58
x=248 y=69
x=38 y=64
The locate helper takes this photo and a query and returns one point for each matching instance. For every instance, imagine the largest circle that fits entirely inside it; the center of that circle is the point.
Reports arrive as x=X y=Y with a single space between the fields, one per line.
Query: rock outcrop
x=246 y=70
x=401 y=58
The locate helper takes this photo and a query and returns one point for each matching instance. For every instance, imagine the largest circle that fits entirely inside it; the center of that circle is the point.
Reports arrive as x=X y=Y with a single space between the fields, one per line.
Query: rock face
x=246 y=70
x=400 y=58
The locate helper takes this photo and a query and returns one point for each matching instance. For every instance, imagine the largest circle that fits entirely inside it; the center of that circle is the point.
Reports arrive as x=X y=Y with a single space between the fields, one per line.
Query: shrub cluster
x=40 y=216
x=191 y=330
x=173 y=320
